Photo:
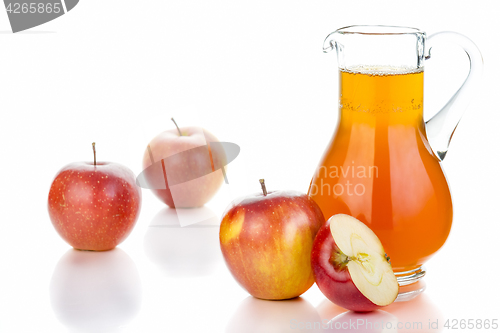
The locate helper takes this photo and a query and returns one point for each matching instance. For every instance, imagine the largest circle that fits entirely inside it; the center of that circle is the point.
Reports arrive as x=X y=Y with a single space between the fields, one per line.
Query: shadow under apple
x=95 y=291
x=263 y=316
x=184 y=242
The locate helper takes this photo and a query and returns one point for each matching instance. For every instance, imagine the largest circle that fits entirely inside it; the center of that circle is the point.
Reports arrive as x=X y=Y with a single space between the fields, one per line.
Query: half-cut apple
x=351 y=267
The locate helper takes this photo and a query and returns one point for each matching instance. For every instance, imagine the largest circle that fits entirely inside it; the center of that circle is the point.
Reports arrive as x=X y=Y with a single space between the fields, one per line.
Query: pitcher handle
x=442 y=125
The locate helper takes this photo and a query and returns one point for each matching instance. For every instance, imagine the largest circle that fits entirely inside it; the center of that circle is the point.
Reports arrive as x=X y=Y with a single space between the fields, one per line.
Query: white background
x=253 y=73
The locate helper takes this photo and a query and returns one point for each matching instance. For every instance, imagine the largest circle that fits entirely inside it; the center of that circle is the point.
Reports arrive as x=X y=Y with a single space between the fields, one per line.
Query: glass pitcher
x=382 y=165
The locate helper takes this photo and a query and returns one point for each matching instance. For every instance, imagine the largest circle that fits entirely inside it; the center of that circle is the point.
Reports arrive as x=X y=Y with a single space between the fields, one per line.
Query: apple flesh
x=94 y=207
x=266 y=241
x=350 y=265
x=169 y=144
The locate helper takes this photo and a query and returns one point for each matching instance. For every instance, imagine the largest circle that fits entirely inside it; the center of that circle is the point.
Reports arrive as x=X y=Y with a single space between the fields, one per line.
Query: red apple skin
x=334 y=281
x=194 y=193
x=94 y=207
x=266 y=242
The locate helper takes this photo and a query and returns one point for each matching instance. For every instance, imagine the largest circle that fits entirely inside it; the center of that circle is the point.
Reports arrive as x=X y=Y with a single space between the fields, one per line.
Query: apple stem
x=341 y=258
x=263 y=186
x=93 y=148
x=180 y=134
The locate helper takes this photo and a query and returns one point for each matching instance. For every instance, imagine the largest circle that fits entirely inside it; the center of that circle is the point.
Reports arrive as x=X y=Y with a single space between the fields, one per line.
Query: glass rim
x=379 y=30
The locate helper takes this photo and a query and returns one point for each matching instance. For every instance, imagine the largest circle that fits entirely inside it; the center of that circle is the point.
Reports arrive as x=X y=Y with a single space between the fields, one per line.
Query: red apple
x=169 y=144
x=350 y=265
x=94 y=206
x=266 y=240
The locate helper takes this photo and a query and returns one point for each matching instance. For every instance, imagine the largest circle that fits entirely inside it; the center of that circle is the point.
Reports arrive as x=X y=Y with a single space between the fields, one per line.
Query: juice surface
x=380 y=169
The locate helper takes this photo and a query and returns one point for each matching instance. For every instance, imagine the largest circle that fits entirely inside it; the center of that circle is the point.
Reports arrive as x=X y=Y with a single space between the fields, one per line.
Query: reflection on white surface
x=184 y=242
x=372 y=322
x=259 y=316
x=95 y=291
x=419 y=311
x=419 y=314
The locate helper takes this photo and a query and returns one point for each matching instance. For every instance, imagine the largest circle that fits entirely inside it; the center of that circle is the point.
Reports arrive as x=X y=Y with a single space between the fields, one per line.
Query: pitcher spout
x=330 y=43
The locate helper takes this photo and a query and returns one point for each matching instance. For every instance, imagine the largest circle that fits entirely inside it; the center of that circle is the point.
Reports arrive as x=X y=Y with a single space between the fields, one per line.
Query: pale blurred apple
x=177 y=155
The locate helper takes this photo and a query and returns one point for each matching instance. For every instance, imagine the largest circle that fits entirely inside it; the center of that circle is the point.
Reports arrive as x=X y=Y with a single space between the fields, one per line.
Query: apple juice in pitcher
x=379 y=166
